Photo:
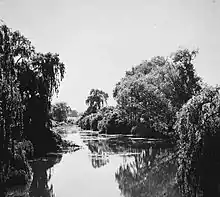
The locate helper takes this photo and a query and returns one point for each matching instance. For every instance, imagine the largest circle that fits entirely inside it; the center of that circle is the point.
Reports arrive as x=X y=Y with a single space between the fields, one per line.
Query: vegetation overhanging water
x=129 y=166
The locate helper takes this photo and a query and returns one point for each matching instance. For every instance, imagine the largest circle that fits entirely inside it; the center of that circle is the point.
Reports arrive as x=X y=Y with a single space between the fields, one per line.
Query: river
x=110 y=166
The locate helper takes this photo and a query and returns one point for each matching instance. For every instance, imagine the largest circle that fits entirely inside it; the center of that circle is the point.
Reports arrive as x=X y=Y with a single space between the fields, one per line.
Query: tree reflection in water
x=149 y=174
x=98 y=156
x=41 y=176
x=147 y=168
x=99 y=160
x=102 y=148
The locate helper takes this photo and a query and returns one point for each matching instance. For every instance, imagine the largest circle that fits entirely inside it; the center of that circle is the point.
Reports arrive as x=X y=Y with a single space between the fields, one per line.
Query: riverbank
x=107 y=166
x=16 y=174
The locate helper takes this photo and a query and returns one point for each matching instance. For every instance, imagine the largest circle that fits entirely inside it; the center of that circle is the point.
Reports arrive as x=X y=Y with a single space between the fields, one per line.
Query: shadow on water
x=41 y=175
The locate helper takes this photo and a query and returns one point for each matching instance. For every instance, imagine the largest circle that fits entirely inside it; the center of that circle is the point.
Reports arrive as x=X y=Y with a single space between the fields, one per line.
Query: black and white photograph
x=109 y=98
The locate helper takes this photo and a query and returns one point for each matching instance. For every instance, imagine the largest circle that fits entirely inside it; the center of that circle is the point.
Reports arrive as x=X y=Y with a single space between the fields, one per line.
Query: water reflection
x=42 y=170
x=146 y=170
x=98 y=160
x=107 y=166
x=102 y=148
x=146 y=175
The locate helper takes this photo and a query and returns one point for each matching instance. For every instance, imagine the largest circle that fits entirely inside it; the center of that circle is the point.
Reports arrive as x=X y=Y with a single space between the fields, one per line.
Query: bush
x=16 y=171
x=50 y=142
x=144 y=131
x=112 y=123
x=85 y=123
x=107 y=120
x=90 y=121
x=94 y=120
x=59 y=111
x=26 y=147
x=19 y=172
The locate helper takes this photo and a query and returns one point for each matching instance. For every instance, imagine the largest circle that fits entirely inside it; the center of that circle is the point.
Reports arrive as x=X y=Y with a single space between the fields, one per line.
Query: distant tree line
x=60 y=111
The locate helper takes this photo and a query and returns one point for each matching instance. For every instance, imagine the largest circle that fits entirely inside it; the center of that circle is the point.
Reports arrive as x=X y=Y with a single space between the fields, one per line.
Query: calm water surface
x=113 y=166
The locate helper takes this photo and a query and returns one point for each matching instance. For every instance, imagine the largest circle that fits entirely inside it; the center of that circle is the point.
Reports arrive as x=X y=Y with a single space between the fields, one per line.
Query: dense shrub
x=59 y=111
x=113 y=123
x=19 y=172
x=107 y=120
x=84 y=122
x=16 y=171
x=94 y=120
x=25 y=147
x=143 y=130
x=90 y=122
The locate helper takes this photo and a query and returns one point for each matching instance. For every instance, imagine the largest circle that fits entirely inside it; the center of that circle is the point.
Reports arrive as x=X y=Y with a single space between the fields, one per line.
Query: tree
x=140 y=100
x=181 y=80
x=28 y=81
x=15 y=51
x=155 y=90
x=198 y=128
x=60 y=111
x=73 y=113
x=39 y=81
x=96 y=100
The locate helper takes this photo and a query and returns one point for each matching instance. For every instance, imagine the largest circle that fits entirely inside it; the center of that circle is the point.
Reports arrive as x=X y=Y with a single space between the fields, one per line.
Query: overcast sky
x=98 y=40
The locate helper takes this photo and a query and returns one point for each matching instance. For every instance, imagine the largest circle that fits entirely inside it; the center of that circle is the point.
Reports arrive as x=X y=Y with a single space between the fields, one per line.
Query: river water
x=110 y=166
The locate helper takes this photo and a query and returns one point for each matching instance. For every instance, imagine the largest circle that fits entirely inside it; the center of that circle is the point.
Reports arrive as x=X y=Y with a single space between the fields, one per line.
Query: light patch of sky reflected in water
x=113 y=166
x=76 y=176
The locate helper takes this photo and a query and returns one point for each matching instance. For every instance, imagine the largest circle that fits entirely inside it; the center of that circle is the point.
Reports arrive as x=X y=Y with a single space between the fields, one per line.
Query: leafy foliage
x=198 y=126
x=113 y=123
x=60 y=111
x=28 y=81
x=84 y=123
x=96 y=100
x=107 y=120
x=94 y=121
x=155 y=90
x=150 y=93
x=73 y=113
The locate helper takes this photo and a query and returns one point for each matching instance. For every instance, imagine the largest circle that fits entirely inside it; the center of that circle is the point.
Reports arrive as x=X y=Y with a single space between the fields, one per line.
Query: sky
x=98 y=40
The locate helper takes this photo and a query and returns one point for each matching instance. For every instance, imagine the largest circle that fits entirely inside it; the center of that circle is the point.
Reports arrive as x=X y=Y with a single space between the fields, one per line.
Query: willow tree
x=198 y=128
x=28 y=81
x=38 y=83
x=15 y=51
x=96 y=100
